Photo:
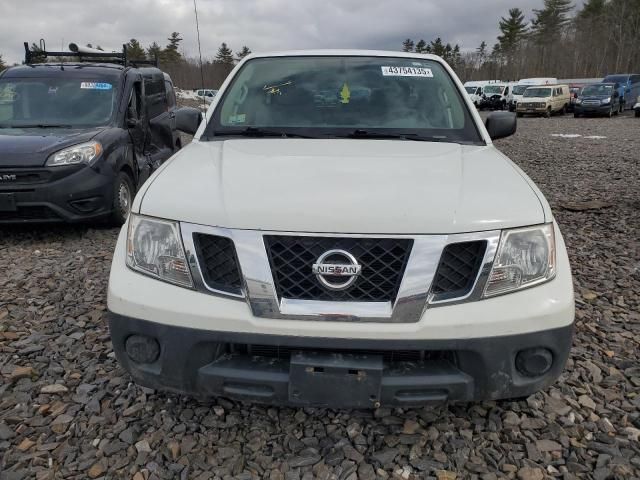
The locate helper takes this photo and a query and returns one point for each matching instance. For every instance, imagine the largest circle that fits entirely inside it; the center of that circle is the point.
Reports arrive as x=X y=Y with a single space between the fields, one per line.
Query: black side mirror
x=501 y=124
x=188 y=119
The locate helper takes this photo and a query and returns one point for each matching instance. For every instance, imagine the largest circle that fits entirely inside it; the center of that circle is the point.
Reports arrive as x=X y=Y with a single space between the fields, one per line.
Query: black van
x=78 y=139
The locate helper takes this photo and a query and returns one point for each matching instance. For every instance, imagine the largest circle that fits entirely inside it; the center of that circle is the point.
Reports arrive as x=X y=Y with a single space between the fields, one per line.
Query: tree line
x=602 y=37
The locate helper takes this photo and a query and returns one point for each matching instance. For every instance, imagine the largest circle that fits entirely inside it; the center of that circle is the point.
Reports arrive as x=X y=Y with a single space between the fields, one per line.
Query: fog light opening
x=142 y=349
x=534 y=362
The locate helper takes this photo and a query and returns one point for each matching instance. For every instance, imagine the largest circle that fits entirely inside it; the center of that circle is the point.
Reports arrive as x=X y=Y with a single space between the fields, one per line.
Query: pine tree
x=514 y=30
x=224 y=55
x=437 y=47
x=549 y=22
x=243 y=53
x=135 y=50
x=592 y=9
x=171 y=54
x=407 y=45
x=421 y=46
x=154 y=51
x=2 y=64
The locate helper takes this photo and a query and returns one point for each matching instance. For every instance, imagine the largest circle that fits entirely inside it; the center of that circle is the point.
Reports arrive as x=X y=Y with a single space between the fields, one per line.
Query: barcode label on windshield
x=406 y=72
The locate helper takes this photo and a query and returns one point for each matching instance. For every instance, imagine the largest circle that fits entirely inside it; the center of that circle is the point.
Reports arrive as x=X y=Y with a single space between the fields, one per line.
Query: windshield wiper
x=39 y=125
x=392 y=136
x=263 y=132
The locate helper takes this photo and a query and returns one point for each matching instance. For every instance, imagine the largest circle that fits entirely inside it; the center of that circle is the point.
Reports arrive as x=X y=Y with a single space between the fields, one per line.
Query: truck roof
x=344 y=53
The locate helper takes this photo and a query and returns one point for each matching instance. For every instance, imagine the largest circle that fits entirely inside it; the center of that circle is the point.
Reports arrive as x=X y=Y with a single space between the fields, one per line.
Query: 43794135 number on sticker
x=407 y=72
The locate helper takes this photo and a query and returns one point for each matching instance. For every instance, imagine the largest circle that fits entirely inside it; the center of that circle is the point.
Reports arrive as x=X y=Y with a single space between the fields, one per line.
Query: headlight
x=154 y=247
x=578 y=101
x=81 y=153
x=525 y=257
x=604 y=101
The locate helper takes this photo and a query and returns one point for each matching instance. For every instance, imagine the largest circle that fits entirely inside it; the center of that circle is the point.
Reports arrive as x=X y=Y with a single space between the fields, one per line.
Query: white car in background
x=207 y=94
x=342 y=232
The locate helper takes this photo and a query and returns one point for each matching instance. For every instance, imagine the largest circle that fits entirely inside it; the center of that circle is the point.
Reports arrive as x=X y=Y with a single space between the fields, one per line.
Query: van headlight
x=81 y=153
x=525 y=257
x=154 y=247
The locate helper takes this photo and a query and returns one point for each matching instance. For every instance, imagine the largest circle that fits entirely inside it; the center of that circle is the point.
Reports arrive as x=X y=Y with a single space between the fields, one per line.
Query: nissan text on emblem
x=8 y=177
x=333 y=264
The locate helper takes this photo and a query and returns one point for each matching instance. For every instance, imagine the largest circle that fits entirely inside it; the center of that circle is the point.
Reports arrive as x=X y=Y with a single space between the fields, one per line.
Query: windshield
x=519 y=89
x=68 y=102
x=597 y=90
x=340 y=96
x=494 y=89
x=537 y=92
x=471 y=90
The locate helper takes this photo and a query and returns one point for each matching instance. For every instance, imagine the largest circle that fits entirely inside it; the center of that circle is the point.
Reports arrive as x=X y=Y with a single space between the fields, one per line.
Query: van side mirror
x=501 y=124
x=188 y=119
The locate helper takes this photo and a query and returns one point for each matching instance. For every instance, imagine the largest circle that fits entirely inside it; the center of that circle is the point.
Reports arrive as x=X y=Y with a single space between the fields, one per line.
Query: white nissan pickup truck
x=342 y=232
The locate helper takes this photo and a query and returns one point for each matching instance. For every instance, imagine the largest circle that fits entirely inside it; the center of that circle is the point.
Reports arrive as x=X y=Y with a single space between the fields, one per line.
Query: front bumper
x=531 y=110
x=48 y=195
x=304 y=371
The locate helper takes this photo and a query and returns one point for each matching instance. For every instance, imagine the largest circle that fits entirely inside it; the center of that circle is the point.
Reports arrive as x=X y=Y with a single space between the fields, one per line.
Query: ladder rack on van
x=84 y=54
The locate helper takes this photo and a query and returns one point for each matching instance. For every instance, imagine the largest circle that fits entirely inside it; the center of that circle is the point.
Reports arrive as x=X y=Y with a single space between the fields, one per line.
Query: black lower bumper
x=333 y=372
x=593 y=109
x=48 y=195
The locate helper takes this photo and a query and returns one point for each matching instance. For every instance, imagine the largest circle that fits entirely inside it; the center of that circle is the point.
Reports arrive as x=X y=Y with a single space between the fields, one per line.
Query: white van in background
x=521 y=86
x=497 y=96
x=475 y=89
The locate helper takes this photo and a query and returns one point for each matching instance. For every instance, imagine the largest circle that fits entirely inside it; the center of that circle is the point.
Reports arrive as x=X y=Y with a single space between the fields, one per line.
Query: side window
x=635 y=79
x=171 y=94
x=155 y=95
x=134 y=109
x=506 y=91
x=199 y=93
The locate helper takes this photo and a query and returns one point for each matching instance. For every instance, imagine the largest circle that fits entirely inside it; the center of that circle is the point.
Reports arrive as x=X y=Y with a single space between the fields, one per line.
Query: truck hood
x=343 y=185
x=30 y=147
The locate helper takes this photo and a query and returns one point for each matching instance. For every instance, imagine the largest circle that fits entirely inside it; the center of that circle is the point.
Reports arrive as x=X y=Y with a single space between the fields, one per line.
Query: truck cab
x=77 y=139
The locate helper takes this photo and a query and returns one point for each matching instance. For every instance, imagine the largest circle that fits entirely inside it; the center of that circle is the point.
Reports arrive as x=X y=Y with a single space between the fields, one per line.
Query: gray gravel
x=68 y=411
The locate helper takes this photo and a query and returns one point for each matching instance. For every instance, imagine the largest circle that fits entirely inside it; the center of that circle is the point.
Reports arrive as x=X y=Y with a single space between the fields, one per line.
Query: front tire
x=123 y=191
x=547 y=114
x=637 y=113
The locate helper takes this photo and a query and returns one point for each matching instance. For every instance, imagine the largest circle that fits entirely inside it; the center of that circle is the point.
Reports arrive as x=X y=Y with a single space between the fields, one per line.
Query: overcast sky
x=260 y=24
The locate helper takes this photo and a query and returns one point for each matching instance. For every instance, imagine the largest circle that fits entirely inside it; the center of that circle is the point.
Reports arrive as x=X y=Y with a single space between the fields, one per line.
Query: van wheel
x=547 y=114
x=122 y=198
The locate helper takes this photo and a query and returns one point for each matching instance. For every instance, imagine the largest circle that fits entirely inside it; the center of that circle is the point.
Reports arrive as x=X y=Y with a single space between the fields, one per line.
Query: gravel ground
x=68 y=411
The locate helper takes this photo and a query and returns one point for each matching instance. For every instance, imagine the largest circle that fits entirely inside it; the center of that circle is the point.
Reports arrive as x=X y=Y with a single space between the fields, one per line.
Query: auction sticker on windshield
x=95 y=86
x=406 y=72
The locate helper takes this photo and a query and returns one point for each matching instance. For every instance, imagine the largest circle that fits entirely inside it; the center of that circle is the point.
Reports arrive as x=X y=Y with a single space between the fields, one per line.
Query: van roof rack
x=84 y=55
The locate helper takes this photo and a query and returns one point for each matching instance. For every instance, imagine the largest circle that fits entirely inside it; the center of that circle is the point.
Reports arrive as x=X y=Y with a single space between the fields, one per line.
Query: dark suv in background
x=598 y=99
x=78 y=139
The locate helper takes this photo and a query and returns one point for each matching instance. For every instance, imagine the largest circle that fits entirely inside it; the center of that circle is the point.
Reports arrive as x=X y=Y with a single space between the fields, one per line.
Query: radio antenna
x=204 y=101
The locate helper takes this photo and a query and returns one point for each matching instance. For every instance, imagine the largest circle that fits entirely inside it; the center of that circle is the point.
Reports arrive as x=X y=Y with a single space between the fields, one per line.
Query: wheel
x=610 y=112
x=637 y=112
x=518 y=114
x=547 y=114
x=563 y=110
x=576 y=115
x=123 y=191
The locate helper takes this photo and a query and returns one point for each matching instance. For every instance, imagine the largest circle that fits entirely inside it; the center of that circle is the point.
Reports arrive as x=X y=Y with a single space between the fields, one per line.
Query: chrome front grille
x=400 y=275
x=383 y=262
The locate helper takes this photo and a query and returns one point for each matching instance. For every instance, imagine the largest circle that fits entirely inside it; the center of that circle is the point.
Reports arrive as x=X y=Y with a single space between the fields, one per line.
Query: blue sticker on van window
x=96 y=86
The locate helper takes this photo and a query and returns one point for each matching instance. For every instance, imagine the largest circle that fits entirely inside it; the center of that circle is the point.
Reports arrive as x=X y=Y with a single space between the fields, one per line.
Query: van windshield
x=537 y=92
x=519 y=89
x=50 y=102
x=471 y=90
x=344 y=97
x=494 y=89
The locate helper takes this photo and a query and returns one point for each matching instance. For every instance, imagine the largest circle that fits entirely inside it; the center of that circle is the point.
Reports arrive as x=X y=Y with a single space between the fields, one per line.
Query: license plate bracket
x=7 y=202
x=348 y=380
